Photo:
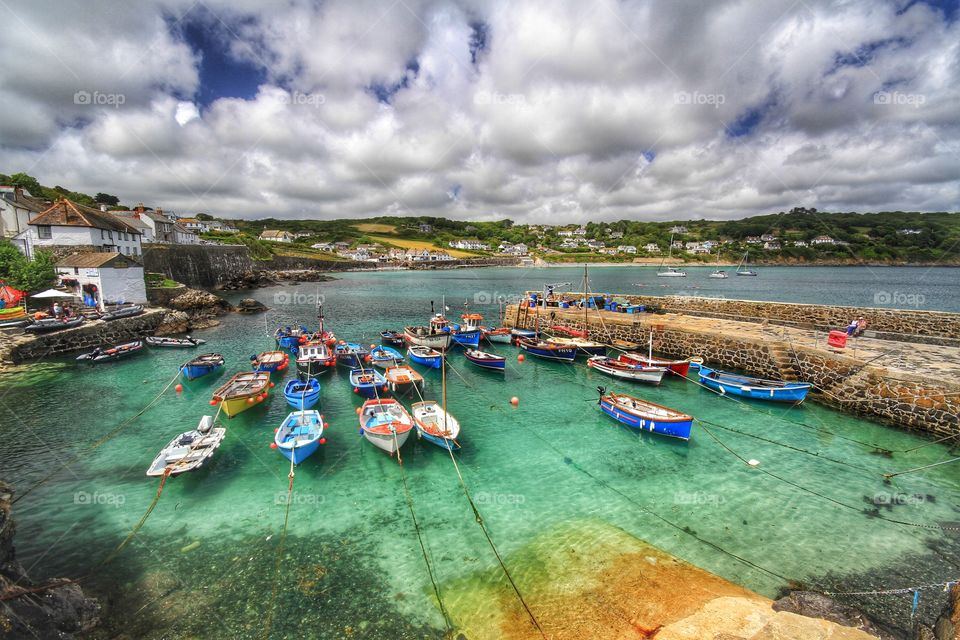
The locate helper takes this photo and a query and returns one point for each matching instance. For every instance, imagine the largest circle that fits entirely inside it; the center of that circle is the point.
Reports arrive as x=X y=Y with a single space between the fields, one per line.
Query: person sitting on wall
x=861 y=326
x=852 y=327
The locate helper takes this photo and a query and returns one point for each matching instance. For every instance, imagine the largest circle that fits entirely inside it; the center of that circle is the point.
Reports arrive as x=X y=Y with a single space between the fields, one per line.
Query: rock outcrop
x=249 y=305
x=817 y=605
x=193 y=309
x=268 y=278
x=53 y=609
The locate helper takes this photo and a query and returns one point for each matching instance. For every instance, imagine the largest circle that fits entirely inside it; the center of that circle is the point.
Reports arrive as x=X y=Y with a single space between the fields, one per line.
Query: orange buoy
x=323 y=441
x=272 y=385
x=179 y=388
x=250 y=400
x=358 y=410
x=356 y=389
x=514 y=400
x=326 y=425
x=213 y=403
x=273 y=445
x=521 y=358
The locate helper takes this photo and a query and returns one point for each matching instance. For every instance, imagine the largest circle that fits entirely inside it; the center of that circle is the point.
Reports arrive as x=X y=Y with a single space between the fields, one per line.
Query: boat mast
x=586 y=292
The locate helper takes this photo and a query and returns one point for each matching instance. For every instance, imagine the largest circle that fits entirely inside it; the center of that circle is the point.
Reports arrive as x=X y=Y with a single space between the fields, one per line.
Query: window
x=44 y=232
x=103 y=234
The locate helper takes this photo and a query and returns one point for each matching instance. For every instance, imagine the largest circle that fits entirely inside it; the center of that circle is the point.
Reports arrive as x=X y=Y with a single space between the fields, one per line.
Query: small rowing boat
x=242 y=391
x=646 y=416
x=385 y=424
x=547 y=350
x=402 y=380
x=299 y=435
x=425 y=356
x=270 y=361
x=436 y=425
x=313 y=359
x=46 y=325
x=189 y=450
x=501 y=335
x=392 y=337
x=486 y=360
x=385 y=357
x=582 y=345
x=113 y=353
x=624 y=371
x=523 y=333
x=369 y=383
x=756 y=388
x=302 y=394
x=201 y=365
x=351 y=354
x=678 y=367
x=176 y=343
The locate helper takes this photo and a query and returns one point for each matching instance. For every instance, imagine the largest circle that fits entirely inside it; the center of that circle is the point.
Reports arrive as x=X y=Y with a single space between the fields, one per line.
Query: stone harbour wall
x=891 y=396
x=903 y=322
x=15 y=349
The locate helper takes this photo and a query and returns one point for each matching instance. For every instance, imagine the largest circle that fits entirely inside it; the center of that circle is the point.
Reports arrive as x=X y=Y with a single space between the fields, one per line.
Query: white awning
x=53 y=293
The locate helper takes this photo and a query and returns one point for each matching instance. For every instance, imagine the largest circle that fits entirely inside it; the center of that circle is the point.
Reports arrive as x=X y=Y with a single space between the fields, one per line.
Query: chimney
x=139 y=208
x=17 y=193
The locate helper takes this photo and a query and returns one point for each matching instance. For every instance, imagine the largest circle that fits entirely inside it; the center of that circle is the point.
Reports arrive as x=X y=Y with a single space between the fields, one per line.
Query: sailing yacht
x=670 y=272
x=719 y=273
x=741 y=270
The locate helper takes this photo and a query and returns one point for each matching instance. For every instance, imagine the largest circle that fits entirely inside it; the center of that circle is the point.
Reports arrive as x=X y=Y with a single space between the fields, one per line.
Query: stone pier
x=909 y=384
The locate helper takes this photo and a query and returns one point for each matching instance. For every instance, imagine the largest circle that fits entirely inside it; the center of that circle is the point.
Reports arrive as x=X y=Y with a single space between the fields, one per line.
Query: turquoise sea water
x=205 y=562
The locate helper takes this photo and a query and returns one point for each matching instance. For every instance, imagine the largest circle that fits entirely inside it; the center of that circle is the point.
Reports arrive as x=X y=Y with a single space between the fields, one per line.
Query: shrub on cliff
x=23 y=274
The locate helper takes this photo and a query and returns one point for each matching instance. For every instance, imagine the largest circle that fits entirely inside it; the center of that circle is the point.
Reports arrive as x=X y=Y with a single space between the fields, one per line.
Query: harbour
x=566 y=493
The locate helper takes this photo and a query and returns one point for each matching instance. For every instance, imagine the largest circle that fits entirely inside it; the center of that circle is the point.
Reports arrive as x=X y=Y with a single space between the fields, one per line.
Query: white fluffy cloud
x=569 y=111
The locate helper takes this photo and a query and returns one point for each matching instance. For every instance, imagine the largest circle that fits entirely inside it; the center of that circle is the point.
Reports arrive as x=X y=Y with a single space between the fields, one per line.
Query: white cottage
x=66 y=223
x=104 y=278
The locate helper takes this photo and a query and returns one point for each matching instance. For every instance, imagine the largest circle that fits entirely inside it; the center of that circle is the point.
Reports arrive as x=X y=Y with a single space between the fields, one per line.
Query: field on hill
x=420 y=244
x=373 y=227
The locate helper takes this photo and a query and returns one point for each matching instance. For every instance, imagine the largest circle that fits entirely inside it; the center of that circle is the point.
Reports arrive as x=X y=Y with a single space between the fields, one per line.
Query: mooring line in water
x=99 y=442
x=840 y=503
x=885 y=592
x=280 y=547
x=926 y=466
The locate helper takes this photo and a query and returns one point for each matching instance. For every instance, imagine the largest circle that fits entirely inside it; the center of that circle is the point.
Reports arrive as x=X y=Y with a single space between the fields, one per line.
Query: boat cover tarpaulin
x=9 y=296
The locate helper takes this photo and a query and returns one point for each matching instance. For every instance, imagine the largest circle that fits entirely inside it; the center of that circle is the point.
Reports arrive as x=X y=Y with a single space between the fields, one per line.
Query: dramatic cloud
x=542 y=111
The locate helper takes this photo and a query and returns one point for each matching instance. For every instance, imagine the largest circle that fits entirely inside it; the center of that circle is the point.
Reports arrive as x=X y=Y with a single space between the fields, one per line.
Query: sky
x=542 y=111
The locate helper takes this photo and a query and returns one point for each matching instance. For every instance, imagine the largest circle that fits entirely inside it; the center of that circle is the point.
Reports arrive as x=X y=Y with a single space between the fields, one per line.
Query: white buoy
x=752 y=462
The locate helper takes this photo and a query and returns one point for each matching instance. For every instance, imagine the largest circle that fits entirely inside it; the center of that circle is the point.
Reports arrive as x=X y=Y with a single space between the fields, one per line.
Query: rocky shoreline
x=258 y=279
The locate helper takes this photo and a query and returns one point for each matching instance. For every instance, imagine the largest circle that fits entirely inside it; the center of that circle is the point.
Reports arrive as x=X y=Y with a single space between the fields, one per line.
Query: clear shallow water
x=351 y=557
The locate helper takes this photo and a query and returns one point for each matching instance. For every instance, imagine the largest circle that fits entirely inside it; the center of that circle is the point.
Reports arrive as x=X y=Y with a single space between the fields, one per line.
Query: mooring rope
x=278 y=561
x=112 y=433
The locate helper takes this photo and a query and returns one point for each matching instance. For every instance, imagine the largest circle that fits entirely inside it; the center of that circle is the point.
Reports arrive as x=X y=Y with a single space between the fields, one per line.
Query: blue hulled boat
x=351 y=354
x=469 y=333
x=425 y=356
x=392 y=337
x=369 y=383
x=299 y=435
x=384 y=357
x=202 y=365
x=756 y=388
x=523 y=333
x=302 y=394
x=272 y=361
x=291 y=338
x=547 y=350
x=486 y=360
x=646 y=416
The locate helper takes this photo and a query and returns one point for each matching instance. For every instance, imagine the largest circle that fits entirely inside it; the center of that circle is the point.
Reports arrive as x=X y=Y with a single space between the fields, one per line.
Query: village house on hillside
x=651 y=247
x=469 y=244
x=17 y=206
x=182 y=235
x=274 y=235
x=68 y=224
x=102 y=278
x=161 y=227
x=823 y=240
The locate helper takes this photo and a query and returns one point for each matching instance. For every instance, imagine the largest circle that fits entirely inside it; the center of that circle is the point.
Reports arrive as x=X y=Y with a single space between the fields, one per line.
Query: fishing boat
x=201 y=365
x=291 y=337
x=385 y=423
x=385 y=357
x=501 y=335
x=646 y=416
x=175 y=343
x=670 y=272
x=436 y=336
x=313 y=359
x=300 y=435
x=113 y=353
x=625 y=345
x=322 y=334
x=567 y=331
x=402 y=380
x=271 y=361
x=46 y=325
x=582 y=345
x=123 y=312
x=436 y=425
x=469 y=333
x=742 y=269
x=189 y=450
x=369 y=383
x=524 y=333
x=486 y=360
x=547 y=350
x=624 y=371
x=392 y=337
x=242 y=391
x=425 y=356
x=302 y=394
x=678 y=367
x=756 y=388
x=351 y=354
